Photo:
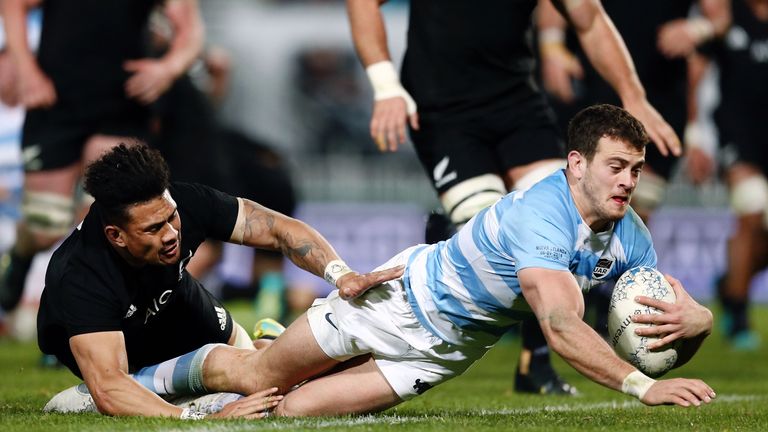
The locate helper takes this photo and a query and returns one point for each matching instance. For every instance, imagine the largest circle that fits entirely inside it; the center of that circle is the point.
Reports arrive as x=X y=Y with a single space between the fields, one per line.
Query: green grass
x=481 y=400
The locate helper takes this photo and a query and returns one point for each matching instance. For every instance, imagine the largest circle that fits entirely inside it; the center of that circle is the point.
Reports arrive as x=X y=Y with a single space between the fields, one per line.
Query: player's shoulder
x=631 y=228
x=548 y=200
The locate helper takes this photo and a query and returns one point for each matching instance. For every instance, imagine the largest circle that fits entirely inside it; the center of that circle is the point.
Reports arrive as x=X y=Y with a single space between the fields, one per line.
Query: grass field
x=481 y=400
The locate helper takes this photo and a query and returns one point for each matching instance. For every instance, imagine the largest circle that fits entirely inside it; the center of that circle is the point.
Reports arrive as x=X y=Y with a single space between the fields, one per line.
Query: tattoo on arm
x=304 y=246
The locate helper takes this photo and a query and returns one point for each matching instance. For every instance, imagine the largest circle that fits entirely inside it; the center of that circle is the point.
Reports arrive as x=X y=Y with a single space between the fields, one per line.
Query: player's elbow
x=556 y=327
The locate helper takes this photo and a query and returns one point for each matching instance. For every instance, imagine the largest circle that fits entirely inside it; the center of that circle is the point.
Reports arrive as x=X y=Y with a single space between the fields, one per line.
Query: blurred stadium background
x=297 y=85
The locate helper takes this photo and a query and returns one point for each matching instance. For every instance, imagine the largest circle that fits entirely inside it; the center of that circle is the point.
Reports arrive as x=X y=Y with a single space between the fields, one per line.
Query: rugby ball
x=639 y=281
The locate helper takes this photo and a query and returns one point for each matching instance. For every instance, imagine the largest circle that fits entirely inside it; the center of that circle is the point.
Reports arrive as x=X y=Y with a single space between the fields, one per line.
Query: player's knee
x=465 y=199
x=48 y=214
x=649 y=193
x=540 y=171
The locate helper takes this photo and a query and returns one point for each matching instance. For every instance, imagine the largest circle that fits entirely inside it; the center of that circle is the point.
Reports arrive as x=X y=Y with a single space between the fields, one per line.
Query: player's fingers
x=652 y=302
x=401 y=130
x=414 y=119
x=385 y=275
x=392 y=132
x=664 y=341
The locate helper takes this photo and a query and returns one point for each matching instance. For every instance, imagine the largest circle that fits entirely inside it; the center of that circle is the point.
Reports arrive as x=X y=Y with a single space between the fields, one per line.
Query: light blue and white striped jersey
x=465 y=290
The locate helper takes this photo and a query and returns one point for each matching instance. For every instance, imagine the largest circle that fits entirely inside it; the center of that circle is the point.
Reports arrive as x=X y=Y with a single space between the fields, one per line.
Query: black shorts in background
x=55 y=138
x=500 y=137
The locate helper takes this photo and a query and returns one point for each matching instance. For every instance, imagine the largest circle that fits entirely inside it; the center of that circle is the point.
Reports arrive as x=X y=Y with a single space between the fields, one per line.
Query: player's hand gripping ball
x=639 y=281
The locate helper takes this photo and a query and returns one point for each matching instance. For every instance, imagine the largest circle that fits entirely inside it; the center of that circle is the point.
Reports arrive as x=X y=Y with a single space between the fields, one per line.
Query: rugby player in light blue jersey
x=532 y=252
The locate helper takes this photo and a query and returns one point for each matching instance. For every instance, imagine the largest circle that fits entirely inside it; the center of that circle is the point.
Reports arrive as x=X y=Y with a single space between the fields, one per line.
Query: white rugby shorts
x=382 y=323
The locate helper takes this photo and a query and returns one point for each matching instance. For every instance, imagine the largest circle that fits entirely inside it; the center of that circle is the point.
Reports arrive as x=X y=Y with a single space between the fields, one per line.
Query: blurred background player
x=21 y=324
x=479 y=123
x=742 y=60
x=655 y=32
x=88 y=88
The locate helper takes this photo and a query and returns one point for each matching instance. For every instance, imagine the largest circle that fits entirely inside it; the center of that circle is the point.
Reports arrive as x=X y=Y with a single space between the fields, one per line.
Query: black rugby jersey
x=90 y=288
x=83 y=45
x=463 y=54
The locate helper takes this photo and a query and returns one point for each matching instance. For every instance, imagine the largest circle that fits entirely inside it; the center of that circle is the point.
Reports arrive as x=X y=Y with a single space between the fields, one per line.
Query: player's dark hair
x=126 y=175
x=598 y=121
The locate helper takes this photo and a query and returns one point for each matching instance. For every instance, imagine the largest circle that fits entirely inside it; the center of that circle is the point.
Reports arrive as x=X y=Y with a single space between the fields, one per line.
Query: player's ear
x=577 y=164
x=114 y=235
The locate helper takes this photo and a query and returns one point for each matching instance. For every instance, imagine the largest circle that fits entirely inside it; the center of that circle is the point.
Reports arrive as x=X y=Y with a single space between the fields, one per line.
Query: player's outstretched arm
x=393 y=106
x=103 y=361
x=684 y=320
x=555 y=298
x=608 y=54
x=258 y=226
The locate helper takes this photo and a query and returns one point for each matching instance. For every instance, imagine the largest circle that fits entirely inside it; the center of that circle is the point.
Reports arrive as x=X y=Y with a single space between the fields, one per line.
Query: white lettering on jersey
x=154 y=308
x=222 y=314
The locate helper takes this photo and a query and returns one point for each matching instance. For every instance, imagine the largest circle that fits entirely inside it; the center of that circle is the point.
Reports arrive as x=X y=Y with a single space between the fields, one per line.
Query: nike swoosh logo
x=328 y=318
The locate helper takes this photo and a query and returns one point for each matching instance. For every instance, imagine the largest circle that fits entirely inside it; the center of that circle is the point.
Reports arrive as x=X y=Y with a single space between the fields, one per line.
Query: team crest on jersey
x=603 y=267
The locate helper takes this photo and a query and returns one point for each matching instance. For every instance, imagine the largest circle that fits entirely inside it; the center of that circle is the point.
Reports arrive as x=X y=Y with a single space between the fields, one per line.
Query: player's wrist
x=188 y=414
x=334 y=270
x=701 y=29
x=386 y=84
x=637 y=384
x=551 y=36
x=692 y=136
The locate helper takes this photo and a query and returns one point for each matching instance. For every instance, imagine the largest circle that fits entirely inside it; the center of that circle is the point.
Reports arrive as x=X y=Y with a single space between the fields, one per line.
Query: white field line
x=390 y=419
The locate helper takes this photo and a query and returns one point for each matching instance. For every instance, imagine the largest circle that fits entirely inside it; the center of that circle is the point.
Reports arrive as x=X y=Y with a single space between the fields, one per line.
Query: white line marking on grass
x=391 y=419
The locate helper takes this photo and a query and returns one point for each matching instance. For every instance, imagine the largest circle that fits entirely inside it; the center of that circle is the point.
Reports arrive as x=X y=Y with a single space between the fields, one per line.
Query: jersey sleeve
x=214 y=212
x=84 y=307
x=537 y=237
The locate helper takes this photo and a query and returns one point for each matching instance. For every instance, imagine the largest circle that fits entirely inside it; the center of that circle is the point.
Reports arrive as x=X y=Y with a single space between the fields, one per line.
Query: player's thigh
x=355 y=386
x=52 y=140
x=117 y=122
x=452 y=152
x=527 y=146
x=98 y=144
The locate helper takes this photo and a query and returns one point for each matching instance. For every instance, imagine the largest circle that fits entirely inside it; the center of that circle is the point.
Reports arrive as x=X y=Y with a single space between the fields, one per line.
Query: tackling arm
x=260 y=227
x=103 y=361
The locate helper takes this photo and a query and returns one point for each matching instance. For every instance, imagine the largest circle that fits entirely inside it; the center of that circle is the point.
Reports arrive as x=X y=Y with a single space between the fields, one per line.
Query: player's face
x=610 y=178
x=153 y=233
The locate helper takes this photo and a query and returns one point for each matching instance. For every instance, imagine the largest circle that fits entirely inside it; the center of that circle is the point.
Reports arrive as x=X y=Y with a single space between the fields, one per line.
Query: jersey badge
x=603 y=267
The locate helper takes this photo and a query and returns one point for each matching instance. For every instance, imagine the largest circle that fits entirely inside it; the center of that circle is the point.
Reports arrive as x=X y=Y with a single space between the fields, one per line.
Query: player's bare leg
x=293 y=357
x=748 y=191
x=354 y=387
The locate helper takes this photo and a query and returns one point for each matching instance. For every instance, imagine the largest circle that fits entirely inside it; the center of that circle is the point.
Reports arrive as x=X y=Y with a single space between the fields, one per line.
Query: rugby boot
x=267 y=328
x=544 y=381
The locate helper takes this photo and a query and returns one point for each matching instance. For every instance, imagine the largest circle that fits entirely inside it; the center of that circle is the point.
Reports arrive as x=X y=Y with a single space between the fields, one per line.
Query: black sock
x=534 y=341
x=739 y=314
